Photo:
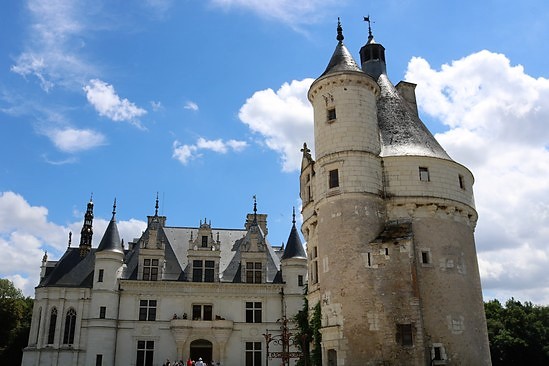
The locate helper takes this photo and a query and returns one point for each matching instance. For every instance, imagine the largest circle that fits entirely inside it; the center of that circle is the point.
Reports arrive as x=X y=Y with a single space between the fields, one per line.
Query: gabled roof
x=71 y=270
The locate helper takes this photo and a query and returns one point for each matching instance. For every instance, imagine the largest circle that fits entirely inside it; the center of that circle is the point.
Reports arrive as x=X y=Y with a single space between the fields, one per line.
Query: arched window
x=51 y=329
x=70 y=322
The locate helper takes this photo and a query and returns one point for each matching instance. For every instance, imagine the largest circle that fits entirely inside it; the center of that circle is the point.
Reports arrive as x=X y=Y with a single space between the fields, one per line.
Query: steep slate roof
x=401 y=131
x=294 y=248
x=341 y=60
x=111 y=238
x=71 y=270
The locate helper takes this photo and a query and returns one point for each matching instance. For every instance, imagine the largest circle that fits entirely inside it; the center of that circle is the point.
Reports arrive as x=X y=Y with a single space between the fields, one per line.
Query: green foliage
x=518 y=333
x=15 y=320
x=309 y=335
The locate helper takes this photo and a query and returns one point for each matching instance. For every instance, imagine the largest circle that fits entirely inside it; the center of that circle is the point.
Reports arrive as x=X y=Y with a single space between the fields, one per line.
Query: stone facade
x=174 y=293
x=389 y=219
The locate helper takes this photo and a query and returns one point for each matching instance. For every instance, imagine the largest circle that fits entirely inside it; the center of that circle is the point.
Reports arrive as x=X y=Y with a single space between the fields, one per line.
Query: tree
x=15 y=320
x=518 y=333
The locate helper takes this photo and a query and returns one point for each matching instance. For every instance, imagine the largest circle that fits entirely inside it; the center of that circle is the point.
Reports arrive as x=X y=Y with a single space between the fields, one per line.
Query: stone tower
x=389 y=220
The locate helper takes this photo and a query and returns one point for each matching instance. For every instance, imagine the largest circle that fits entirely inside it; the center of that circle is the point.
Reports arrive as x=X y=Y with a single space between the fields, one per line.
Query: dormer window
x=150 y=269
x=253 y=272
x=203 y=271
x=204 y=241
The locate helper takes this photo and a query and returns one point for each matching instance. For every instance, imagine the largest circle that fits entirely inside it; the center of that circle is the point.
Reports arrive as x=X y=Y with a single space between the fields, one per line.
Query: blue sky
x=205 y=103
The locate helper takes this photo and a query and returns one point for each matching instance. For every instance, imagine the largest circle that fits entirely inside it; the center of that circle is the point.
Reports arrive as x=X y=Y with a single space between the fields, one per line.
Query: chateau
x=389 y=222
x=389 y=219
x=174 y=293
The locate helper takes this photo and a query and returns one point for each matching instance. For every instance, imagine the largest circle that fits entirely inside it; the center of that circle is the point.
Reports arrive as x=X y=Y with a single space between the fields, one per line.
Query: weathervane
x=367 y=19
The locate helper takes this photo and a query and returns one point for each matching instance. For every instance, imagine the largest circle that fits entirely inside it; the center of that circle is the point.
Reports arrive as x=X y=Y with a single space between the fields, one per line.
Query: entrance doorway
x=201 y=348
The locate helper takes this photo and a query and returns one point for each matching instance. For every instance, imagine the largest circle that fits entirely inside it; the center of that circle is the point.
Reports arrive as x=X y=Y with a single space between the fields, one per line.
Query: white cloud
x=25 y=226
x=185 y=153
x=156 y=106
x=74 y=140
x=104 y=99
x=288 y=11
x=191 y=106
x=496 y=117
x=284 y=118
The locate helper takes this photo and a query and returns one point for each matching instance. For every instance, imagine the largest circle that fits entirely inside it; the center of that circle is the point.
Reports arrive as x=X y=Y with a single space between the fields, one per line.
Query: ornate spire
x=156 y=206
x=70 y=238
x=339 y=37
x=255 y=209
x=293 y=215
x=86 y=233
x=114 y=209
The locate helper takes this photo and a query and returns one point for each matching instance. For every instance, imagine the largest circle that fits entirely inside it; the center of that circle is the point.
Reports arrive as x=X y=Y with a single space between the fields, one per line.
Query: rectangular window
x=203 y=271
x=331 y=114
x=461 y=182
x=424 y=174
x=98 y=360
x=147 y=310
x=102 y=312
x=300 y=280
x=314 y=274
x=100 y=275
x=253 y=272
x=204 y=241
x=253 y=353
x=253 y=312
x=202 y=312
x=425 y=257
x=145 y=353
x=404 y=335
x=150 y=269
x=333 y=179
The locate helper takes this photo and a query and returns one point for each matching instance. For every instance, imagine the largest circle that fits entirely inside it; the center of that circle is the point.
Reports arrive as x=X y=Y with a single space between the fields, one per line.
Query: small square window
x=331 y=113
x=424 y=174
x=333 y=180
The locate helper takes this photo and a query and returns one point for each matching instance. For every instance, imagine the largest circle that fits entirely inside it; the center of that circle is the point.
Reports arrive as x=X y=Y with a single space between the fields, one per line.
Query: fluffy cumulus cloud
x=496 y=117
x=104 y=99
x=283 y=118
x=23 y=225
x=185 y=152
x=74 y=140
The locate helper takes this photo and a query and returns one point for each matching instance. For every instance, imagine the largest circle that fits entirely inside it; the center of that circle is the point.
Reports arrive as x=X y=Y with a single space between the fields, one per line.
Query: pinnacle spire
x=114 y=209
x=156 y=206
x=255 y=209
x=340 y=36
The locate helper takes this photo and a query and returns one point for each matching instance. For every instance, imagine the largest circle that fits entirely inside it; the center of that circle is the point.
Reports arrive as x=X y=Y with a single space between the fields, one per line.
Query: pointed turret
x=294 y=248
x=111 y=238
x=86 y=233
x=341 y=58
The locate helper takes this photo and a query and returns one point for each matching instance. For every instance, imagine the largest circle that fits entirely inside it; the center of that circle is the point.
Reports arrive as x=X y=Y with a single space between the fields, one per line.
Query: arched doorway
x=201 y=348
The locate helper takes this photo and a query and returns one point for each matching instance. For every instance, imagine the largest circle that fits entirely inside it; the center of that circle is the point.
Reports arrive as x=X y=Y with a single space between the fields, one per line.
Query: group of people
x=191 y=363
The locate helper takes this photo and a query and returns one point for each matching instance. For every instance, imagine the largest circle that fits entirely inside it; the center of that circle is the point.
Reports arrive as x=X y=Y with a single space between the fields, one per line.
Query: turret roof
x=294 y=248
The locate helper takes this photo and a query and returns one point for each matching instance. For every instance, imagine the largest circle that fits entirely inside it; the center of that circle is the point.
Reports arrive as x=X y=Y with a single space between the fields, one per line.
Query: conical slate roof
x=401 y=130
x=111 y=238
x=341 y=60
x=294 y=248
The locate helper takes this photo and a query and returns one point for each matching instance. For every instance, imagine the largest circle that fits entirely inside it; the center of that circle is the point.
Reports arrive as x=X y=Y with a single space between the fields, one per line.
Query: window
x=386 y=251
x=203 y=271
x=404 y=334
x=202 y=312
x=425 y=257
x=461 y=182
x=331 y=114
x=333 y=179
x=98 y=360
x=147 y=310
x=145 y=353
x=253 y=272
x=253 y=353
x=102 y=312
x=204 y=241
x=100 y=276
x=253 y=312
x=369 y=259
x=51 y=329
x=70 y=324
x=424 y=174
x=438 y=354
x=150 y=270
x=300 y=280
x=314 y=273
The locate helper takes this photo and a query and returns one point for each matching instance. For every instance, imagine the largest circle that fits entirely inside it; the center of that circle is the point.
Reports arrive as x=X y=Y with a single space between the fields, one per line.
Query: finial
x=293 y=215
x=156 y=206
x=367 y=19
x=339 y=31
x=114 y=208
x=45 y=257
x=70 y=238
x=91 y=197
x=255 y=209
